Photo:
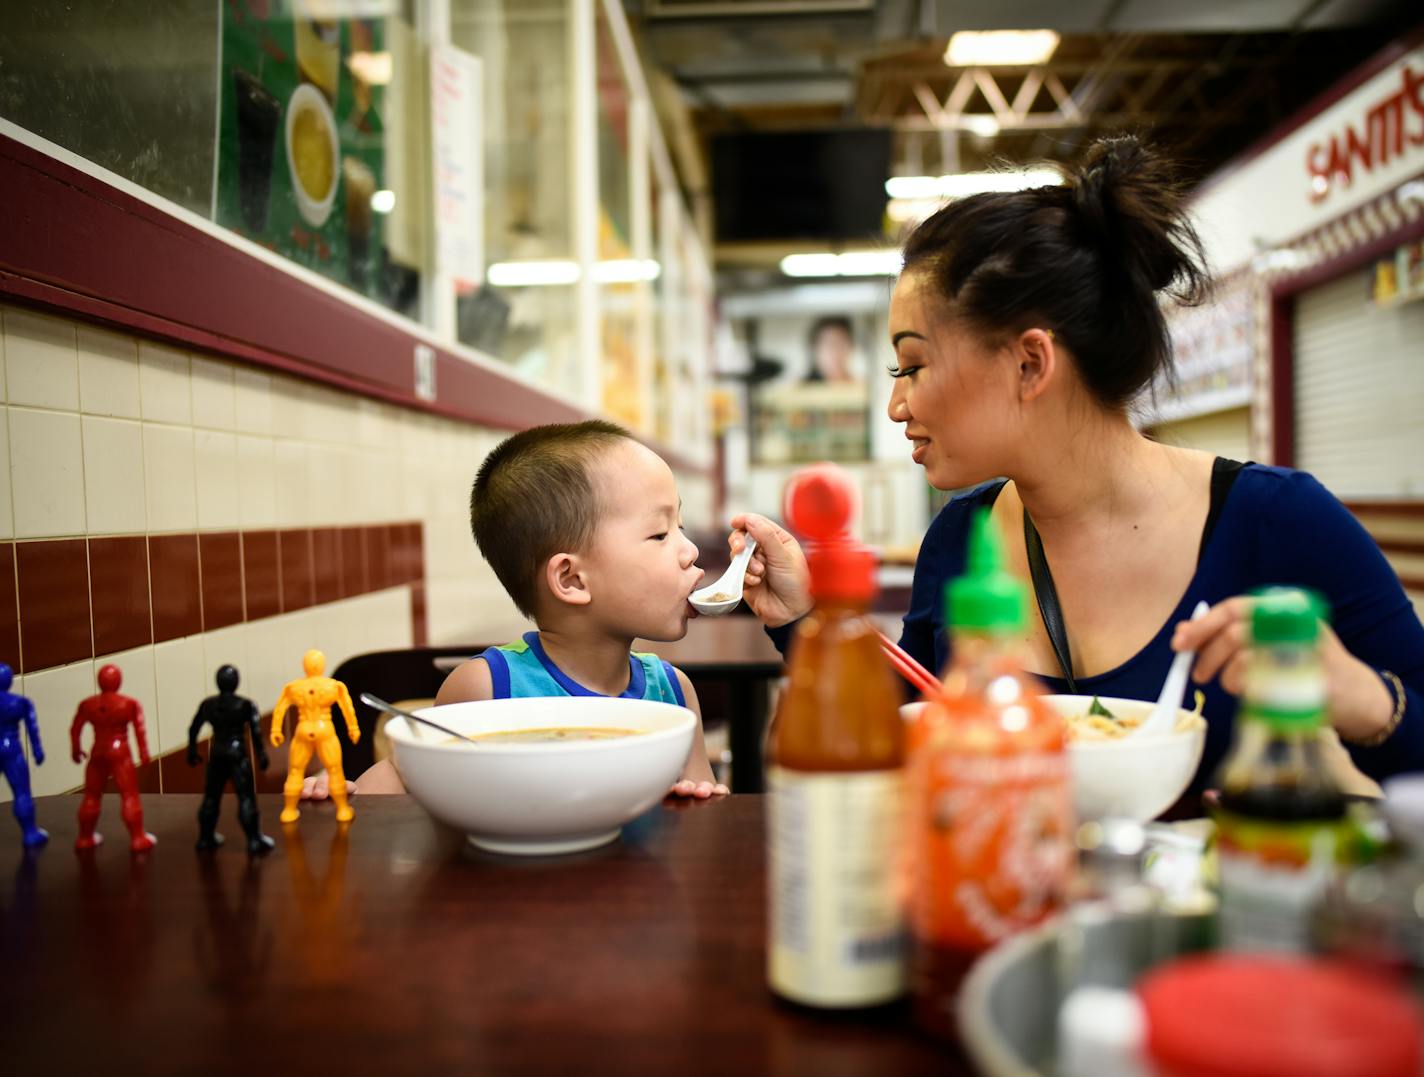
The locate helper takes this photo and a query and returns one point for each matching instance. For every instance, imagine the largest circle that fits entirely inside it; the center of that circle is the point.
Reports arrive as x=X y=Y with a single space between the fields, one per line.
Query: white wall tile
x=216 y=457
x=47 y=473
x=113 y=476
x=7 y=504
x=169 y=468
x=269 y=664
x=253 y=395
x=214 y=394
x=165 y=391
x=228 y=647
x=181 y=682
x=256 y=482
x=137 y=667
x=56 y=694
x=108 y=373
x=293 y=483
x=41 y=360
x=329 y=469
x=289 y=411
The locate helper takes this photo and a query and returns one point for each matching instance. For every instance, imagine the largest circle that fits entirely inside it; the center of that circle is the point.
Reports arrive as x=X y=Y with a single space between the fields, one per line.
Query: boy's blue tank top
x=524 y=670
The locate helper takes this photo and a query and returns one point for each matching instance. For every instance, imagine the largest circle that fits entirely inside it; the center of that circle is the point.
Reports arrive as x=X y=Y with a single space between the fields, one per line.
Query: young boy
x=582 y=526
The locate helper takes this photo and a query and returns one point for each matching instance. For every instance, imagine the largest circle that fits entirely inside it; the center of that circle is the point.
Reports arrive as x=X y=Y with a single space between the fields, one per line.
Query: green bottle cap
x=1286 y=615
x=987 y=599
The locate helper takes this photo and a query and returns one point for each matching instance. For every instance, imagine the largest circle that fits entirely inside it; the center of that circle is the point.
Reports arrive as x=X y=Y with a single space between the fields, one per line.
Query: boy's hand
x=700 y=790
x=316 y=787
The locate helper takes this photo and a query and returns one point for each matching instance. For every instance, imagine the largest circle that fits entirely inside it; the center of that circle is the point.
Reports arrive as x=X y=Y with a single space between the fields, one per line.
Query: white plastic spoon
x=1163 y=718
x=709 y=600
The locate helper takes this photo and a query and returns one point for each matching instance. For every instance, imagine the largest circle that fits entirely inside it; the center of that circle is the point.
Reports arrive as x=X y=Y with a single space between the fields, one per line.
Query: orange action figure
x=111 y=715
x=314 y=696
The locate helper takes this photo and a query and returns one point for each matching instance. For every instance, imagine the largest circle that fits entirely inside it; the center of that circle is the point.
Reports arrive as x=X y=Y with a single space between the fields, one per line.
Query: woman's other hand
x=1359 y=703
x=777 y=585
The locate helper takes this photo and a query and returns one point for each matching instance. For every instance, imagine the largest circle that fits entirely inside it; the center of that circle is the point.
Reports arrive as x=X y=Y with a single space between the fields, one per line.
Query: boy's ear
x=564 y=576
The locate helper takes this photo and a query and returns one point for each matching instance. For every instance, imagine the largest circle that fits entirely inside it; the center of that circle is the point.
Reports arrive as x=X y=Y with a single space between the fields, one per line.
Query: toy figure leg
x=330 y=750
x=296 y=771
x=95 y=775
x=258 y=843
x=214 y=780
x=132 y=808
x=18 y=774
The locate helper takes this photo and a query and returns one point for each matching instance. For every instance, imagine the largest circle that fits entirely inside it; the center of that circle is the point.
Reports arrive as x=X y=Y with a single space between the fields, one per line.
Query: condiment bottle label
x=1272 y=876
x=837 y=930
x=995 y=852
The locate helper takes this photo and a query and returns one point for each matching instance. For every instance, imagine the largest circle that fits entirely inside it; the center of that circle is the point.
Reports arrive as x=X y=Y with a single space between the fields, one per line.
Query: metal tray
x=1008 y=1008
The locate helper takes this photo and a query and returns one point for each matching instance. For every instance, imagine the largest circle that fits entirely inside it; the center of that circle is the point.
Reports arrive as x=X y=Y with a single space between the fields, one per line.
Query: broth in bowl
x=552 y=734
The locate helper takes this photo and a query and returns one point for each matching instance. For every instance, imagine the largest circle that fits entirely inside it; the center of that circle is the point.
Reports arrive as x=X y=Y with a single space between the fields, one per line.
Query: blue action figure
x=13 y=710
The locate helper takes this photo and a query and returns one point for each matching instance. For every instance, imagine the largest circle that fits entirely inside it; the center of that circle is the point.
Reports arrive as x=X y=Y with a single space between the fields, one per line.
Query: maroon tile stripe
x=64 y=600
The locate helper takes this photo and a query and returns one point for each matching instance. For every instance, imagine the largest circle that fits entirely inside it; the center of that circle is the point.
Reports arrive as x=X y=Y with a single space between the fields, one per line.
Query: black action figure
x=229 y=714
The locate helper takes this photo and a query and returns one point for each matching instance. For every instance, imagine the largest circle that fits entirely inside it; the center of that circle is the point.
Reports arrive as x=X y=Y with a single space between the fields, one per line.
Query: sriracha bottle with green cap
x=836 y=755
x=991 y=810
x=1281 y=820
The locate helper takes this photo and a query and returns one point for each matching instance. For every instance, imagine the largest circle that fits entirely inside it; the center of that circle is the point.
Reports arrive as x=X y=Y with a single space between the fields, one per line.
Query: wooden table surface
x=390 y=946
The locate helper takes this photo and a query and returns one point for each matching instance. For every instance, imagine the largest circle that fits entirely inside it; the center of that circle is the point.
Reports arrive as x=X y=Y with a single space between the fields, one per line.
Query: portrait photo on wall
x=809 y=387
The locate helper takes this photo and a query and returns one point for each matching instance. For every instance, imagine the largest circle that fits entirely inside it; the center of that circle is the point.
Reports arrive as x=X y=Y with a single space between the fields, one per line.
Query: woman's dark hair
x=1085 y=259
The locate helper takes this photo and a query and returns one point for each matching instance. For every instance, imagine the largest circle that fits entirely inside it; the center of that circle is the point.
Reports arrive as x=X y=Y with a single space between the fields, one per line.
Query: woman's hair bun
x=1130 y=201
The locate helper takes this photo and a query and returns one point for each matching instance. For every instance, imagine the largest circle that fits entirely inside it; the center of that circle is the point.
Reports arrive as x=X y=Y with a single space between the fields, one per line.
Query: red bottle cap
x=819 y=504
x=1243 y=1016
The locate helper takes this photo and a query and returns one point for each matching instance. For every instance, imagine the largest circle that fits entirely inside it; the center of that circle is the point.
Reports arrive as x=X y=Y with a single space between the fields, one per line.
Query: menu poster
x=455 y=91
x=300 y=138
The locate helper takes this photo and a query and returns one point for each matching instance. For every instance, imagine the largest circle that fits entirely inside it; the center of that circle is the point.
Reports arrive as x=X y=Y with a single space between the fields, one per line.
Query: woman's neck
x=591 y=658
x=1093 y=473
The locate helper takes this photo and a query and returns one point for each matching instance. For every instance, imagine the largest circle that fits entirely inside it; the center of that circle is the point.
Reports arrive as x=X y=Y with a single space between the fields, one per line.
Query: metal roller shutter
x=1359 y=391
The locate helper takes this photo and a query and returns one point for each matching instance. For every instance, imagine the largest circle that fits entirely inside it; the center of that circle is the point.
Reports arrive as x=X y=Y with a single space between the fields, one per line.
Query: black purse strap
x=1048 y=606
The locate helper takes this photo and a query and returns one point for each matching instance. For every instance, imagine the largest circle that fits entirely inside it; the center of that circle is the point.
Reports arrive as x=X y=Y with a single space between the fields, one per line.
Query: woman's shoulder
x=1283 y=495
x=948 y=533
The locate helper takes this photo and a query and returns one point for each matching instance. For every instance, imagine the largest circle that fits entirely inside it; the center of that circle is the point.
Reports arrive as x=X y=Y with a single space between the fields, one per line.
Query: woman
x=1024 y=324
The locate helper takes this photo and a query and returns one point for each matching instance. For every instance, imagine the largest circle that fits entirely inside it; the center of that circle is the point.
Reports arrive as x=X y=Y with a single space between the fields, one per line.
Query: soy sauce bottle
x=836 y=754
x=1281 y=822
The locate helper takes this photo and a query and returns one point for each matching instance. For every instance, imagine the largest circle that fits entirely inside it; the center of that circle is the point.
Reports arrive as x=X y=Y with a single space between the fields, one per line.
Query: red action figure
x=111 y=715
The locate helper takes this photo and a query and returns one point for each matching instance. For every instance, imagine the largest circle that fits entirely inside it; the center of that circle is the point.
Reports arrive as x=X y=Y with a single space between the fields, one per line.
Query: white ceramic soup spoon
x=722 y=597
x=1163 y=718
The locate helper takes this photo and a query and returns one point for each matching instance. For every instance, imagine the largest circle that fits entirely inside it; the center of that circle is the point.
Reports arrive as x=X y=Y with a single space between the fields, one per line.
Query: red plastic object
x=819 y=505
x=110 y=714
x=1248 y=1016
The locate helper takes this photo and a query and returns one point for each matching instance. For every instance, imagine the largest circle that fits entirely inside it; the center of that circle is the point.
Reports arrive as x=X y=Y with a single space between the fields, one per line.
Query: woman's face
x=957 y=398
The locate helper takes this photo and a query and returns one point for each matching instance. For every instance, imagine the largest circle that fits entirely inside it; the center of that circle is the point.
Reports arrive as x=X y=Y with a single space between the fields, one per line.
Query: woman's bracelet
x=1396 y=687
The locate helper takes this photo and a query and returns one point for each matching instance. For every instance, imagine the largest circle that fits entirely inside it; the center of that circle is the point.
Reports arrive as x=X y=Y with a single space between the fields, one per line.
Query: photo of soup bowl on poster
x=313 y=153
x=591 y=765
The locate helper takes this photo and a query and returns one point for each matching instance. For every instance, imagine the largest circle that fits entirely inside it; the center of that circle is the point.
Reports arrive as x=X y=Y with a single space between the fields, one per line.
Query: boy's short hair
x=533 y=497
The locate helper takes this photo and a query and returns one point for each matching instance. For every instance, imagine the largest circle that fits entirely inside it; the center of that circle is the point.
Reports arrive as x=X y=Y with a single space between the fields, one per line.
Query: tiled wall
x=171 y=512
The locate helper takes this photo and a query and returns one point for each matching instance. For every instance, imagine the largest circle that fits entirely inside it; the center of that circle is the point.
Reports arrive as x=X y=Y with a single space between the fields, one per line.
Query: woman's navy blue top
x=1276 y=527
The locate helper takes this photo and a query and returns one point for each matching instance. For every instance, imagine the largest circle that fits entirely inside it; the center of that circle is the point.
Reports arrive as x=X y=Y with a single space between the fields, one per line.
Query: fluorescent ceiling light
x=1000 y=48
x=980 y=123
x=911 y=210
x=967 y=183
x=626 y=270
x=537 y=272
x=881 y=263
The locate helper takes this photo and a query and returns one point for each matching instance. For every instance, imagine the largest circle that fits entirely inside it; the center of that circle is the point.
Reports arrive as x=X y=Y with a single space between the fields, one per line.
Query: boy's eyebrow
x=895 y=340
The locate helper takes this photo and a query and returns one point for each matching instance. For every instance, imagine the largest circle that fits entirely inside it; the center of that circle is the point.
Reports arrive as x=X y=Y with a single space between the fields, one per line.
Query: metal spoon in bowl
x=1163 y=718
x=723 y=596
x=381 y=705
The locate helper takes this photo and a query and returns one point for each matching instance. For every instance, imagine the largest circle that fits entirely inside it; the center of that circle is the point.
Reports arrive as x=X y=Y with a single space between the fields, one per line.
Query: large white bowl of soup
x=1117 y=775
x=313 y=153
x=543 y=776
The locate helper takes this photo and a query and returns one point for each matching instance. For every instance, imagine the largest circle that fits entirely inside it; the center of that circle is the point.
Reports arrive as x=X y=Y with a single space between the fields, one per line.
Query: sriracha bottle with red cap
x=836 y=753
